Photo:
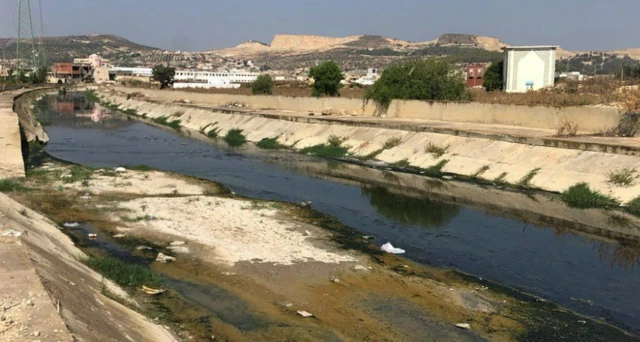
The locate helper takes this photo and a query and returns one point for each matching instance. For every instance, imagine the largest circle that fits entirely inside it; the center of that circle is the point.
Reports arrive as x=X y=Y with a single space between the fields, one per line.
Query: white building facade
x=212 y=79
x=529 y=68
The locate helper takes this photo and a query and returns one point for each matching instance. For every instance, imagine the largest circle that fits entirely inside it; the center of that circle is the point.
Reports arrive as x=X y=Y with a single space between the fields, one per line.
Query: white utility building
x=529 y=67
x=212 y=79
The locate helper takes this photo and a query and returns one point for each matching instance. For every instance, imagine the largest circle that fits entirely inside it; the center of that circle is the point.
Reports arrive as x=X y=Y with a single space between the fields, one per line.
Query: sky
x=200 y=25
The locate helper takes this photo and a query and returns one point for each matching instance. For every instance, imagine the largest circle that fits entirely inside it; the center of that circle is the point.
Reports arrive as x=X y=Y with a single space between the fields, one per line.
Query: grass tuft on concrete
x=582 y=196
x=404 y=163
x=270 y=144
x=123 y=273
x=622 y=177
x=480 y=171
x=526 y=180
x=436 y=150
x=235 y=137
x=436 y=170
x=633 y=207
x=163 y=120
x=391 y=143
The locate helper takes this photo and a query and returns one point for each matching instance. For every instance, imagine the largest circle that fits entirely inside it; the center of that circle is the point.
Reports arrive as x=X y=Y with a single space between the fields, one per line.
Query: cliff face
x=306 y=42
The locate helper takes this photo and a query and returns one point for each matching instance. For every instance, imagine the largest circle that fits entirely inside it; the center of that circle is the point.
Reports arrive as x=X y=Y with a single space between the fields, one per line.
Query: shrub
x=122 y=273
x=404 y=163
x=235 y=137
x=77 y=174
x=431 y=79
x=335 y=140
x=392 y=142
x=436 y=150
x=269 y=143
x=567 y=128
x=327 y=77
x=581 y=196
x=263 y=85
x=622 y=177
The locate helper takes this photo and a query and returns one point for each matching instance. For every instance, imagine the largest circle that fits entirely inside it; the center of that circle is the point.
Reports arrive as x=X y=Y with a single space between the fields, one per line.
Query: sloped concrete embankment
x=74 y=291
x=18 y=127
x=552 y=169
x=588 y=119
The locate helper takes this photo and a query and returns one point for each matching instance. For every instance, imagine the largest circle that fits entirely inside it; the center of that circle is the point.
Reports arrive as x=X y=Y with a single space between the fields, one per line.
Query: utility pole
x=25 y=31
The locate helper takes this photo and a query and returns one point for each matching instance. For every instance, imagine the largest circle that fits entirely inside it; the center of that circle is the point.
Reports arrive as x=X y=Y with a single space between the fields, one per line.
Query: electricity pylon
x=26 y=53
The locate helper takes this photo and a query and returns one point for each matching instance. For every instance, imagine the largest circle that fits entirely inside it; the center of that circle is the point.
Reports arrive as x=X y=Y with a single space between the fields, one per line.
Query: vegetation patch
x=371 y=155
x=270 y=144
x=77 y=173
x=391 y=143
x=524 y=182
x=235 y=137
x=622 y=177
x=91 y=95
x=10 y=185
x=567 y=128
x=163 y=120
x=139 y=167
x=122 y=273
x=325 y=150
x=501 y=179
x=581 y=196
x=633 y=207
x=436 y=150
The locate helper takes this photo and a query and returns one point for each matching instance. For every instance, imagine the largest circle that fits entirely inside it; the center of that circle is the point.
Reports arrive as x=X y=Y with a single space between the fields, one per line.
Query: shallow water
x=574 y=270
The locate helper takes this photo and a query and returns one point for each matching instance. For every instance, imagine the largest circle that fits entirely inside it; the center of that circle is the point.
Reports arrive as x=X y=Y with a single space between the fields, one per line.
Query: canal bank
x=541 y=167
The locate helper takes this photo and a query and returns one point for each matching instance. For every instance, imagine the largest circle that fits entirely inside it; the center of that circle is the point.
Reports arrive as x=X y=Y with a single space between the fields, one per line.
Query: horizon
x=196 y=25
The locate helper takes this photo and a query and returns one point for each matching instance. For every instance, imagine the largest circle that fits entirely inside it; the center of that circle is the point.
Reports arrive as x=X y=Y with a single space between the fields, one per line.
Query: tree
x=327 y=77
x=39 y=76
x=263 y=85
x=163 y=74
x=493 y=77
x=430 y=79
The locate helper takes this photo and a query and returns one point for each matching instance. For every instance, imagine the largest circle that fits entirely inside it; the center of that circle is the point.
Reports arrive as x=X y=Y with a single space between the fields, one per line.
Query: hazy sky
x=209 y=24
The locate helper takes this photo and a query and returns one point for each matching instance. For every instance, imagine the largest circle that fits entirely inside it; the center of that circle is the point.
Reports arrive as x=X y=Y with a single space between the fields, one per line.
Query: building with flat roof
x=212 y=79
x=529 y=67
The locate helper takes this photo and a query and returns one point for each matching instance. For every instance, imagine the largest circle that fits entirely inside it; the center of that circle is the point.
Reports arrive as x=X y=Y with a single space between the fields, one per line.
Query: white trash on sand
x=71 y=224
x=164 y=258
x=304 y=314
x=121 y=169
x=388 y=247
x=463 y=326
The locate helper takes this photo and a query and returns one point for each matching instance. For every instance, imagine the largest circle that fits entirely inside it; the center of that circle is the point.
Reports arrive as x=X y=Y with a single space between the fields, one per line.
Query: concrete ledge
x=11 y=163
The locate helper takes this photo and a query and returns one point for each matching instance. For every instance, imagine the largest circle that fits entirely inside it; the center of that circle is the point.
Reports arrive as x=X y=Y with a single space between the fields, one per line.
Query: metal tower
x=26 y=53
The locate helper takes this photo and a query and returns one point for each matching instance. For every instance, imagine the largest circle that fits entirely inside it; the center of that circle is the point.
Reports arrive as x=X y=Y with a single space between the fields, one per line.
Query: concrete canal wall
x=557 y=168
x=589 y=119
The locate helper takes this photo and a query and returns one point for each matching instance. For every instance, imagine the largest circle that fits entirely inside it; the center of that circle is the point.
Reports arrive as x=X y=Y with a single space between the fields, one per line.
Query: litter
x=463 y=325
x=71 y=224
x=152 y=291
x=369 y=237
x=11 y=232
x=304 y=314
x=121 y=169
x=164 y=258
x=118 y=236
x=92 y=236
x=177 y=243
x=447 y=177
x=335 y=279
x=387 y=247
x=360 y=268
x=139 y=248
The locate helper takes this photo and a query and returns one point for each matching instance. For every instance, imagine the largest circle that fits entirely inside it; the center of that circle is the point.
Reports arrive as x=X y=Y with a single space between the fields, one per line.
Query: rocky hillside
x=62 y=49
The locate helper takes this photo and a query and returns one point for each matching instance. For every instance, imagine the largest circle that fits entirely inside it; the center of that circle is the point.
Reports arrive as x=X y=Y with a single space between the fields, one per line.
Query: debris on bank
x=388 y=247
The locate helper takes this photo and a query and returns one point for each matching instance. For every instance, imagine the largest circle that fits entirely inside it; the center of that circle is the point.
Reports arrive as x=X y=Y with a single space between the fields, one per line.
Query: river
x=574 y=270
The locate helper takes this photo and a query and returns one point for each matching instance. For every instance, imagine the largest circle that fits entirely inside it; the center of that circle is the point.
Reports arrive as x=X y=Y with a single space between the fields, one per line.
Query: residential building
x=101 y=74
x=529 y=67
x=212 y=79
x=474 y=74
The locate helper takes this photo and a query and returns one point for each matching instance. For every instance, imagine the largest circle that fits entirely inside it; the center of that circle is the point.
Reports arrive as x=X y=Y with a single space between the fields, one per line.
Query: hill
x=64 y=49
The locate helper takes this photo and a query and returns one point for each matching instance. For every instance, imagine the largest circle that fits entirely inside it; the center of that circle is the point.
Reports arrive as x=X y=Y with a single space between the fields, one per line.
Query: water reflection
x=620 y=255
x=421 y=212
x=76 y=111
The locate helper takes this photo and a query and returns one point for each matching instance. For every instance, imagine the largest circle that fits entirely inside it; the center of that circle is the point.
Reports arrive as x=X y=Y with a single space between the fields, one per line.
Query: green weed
x=436 y=150
x=10 y=185
x=77 y=173
x=391 y=142
x=622 y=177
x=163 y=120
x=581 y=196
x=235 y=137
x=404 y=163
x=524 y=182
x=270 y=143
x=122 y=273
